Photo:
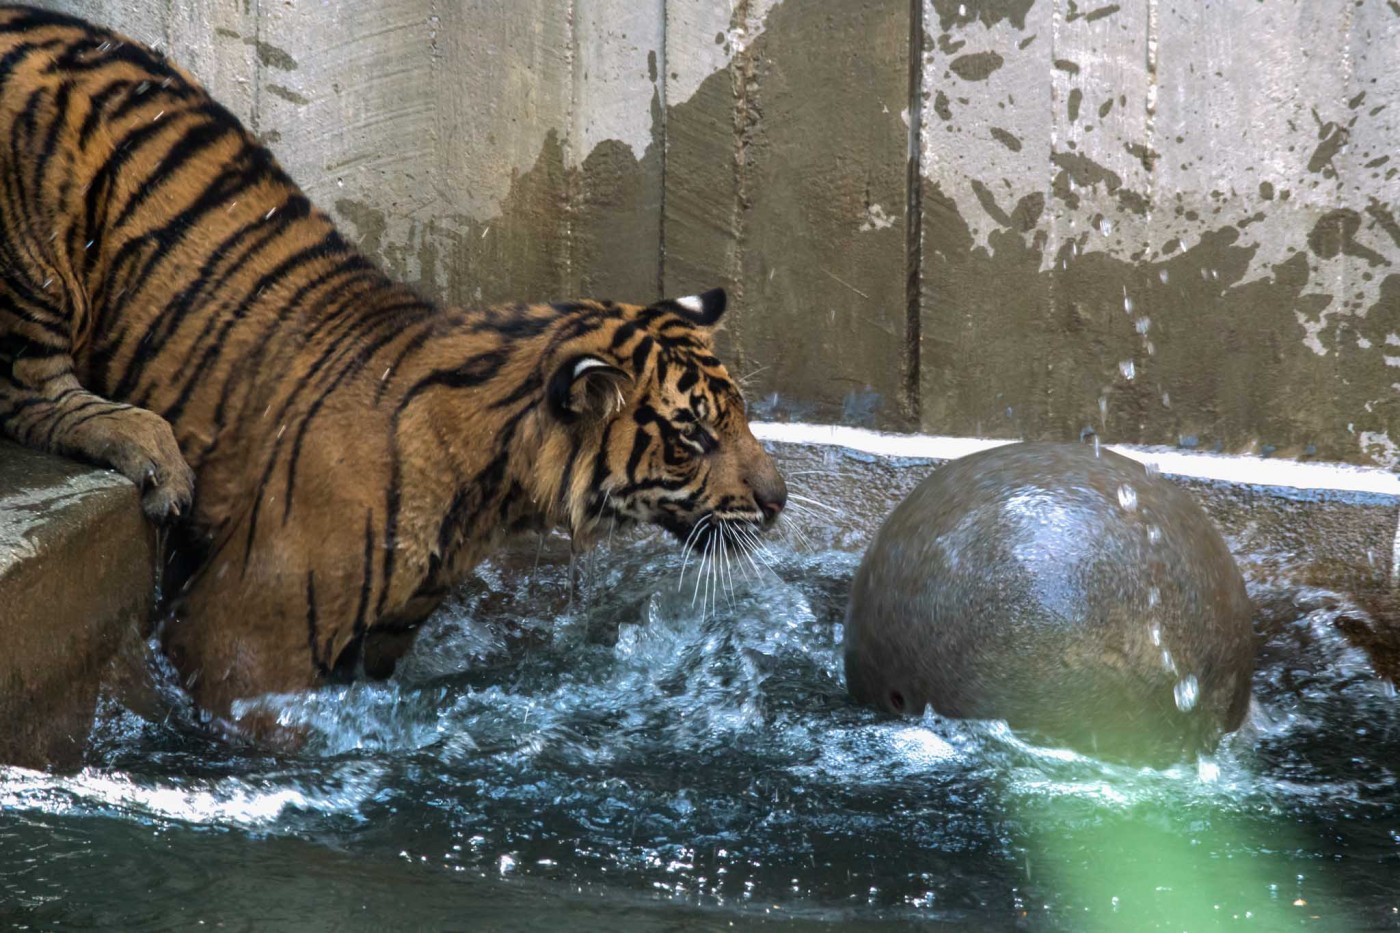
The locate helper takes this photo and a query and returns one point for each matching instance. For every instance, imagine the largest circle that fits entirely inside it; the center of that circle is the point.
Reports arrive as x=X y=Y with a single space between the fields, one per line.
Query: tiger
x=327 y=451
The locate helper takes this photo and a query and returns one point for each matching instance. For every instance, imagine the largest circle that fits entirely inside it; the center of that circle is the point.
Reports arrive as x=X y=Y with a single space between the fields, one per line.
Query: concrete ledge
x=76 y=575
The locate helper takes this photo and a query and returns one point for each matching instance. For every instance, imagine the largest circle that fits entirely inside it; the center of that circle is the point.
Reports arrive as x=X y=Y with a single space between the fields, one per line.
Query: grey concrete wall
x=1172 y=221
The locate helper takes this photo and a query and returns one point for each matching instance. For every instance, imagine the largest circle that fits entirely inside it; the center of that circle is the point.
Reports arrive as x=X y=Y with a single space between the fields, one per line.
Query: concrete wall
x=1172 y=221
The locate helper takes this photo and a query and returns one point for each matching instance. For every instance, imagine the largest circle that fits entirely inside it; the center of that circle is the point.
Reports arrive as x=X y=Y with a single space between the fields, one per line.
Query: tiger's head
x=655 y=427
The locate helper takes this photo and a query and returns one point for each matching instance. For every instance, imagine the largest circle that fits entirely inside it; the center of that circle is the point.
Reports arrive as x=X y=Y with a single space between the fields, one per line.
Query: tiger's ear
x=585 y=385
x=703 y=309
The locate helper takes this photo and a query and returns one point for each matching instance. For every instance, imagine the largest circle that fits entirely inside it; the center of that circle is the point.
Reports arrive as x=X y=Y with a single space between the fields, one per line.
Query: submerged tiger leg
x=223 y=656
x=42 y=405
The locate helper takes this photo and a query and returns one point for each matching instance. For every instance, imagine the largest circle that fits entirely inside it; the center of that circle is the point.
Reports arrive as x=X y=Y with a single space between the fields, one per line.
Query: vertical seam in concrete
x=740 y=75
x=255 y=117
x=573 y=184
x=913 y=220
x=1150 y=127
x=1053 y=221
x=664 y=141
x=165 y=22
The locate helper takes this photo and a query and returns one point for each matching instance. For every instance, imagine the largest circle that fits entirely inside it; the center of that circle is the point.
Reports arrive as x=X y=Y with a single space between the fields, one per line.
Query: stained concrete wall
x=1169 y=221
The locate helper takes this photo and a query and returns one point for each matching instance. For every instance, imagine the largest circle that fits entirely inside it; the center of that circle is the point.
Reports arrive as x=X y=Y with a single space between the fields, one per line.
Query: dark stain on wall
x=953 y=13
x=976 y=66
x=1012 y=349
x=522 y=254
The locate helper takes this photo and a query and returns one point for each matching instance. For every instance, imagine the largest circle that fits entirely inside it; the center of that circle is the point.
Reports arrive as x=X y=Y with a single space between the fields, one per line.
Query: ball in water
x=1065 y=590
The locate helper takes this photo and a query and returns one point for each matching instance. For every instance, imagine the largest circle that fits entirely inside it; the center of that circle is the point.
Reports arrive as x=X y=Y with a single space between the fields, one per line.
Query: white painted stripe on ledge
x=1230 y=468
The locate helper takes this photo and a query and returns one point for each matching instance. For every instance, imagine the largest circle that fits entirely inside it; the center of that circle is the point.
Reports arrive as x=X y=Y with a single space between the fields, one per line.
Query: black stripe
x=311 y=636
x=113 y=409
x=27 y=18
x=97 y=103
x=193 y=141
x=475 y=371
x=58 y=118
x=640 y=442
x=175 y=312
x=79 y=57
x=640 y=354
x=367 y=582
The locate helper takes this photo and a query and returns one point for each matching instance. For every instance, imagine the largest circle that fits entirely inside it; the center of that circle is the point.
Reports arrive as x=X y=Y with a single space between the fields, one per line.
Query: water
x=601 y=754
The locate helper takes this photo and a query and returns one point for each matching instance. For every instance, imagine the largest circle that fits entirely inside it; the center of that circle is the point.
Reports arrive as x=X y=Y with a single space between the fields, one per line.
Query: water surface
x=619 y=743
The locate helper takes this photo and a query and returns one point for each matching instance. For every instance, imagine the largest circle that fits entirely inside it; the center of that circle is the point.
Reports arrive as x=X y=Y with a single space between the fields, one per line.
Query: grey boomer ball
x=1065 y=590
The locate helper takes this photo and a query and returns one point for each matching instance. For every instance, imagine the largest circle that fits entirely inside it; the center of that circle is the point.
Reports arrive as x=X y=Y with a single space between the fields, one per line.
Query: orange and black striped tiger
x=335 y=449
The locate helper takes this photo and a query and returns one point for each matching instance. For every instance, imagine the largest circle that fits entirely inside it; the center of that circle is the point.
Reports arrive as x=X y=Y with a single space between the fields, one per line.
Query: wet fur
x=333 y=450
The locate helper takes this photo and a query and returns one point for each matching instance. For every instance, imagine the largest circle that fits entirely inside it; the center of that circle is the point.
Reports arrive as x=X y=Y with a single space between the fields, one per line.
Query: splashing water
x=1186 y=692
x=1127 y=498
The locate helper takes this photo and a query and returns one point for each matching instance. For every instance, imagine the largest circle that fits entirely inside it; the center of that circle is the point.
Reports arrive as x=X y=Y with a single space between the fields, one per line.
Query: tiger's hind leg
x=42 y=405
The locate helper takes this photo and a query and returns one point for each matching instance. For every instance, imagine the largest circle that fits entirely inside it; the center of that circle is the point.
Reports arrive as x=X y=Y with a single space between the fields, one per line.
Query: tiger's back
x=172 y=305
x=149 y=234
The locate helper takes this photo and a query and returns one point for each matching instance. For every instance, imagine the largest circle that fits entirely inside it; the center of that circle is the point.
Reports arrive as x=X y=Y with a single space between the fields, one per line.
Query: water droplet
x=1163 y=276
x=1166 y=400
x=1186 y=693
x=1154 y=598
x=1207 y=770
x=1142 y=325
x=1103 y=408
x=1105 y=226
x=1127 y=497
x=1156 y=632
x=1388 y=688
x=1127 y=302
x=506 y=864
x=1114 y=901
x=1127 y=369
x=1168 y=662
x=1154 y=534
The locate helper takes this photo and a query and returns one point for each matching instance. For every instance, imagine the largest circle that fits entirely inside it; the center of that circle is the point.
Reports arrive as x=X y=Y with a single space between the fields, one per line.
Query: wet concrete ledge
x=76 y=578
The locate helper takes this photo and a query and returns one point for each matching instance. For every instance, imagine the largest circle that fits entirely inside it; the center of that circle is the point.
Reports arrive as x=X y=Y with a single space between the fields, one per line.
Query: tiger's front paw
x=141 y=446
x=168 y=492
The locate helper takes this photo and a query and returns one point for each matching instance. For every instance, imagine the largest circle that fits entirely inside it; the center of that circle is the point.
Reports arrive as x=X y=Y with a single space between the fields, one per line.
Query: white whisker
x=808 y=500
x=688 y=548
x=700 y=571
x=728 y=568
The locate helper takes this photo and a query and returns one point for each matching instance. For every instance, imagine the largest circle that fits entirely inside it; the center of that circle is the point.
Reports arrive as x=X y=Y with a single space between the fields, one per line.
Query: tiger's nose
x=771 y=507
x=770 y=492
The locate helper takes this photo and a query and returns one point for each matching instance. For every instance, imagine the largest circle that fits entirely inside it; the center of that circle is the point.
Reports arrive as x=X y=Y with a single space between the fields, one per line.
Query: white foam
x=221 y=801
